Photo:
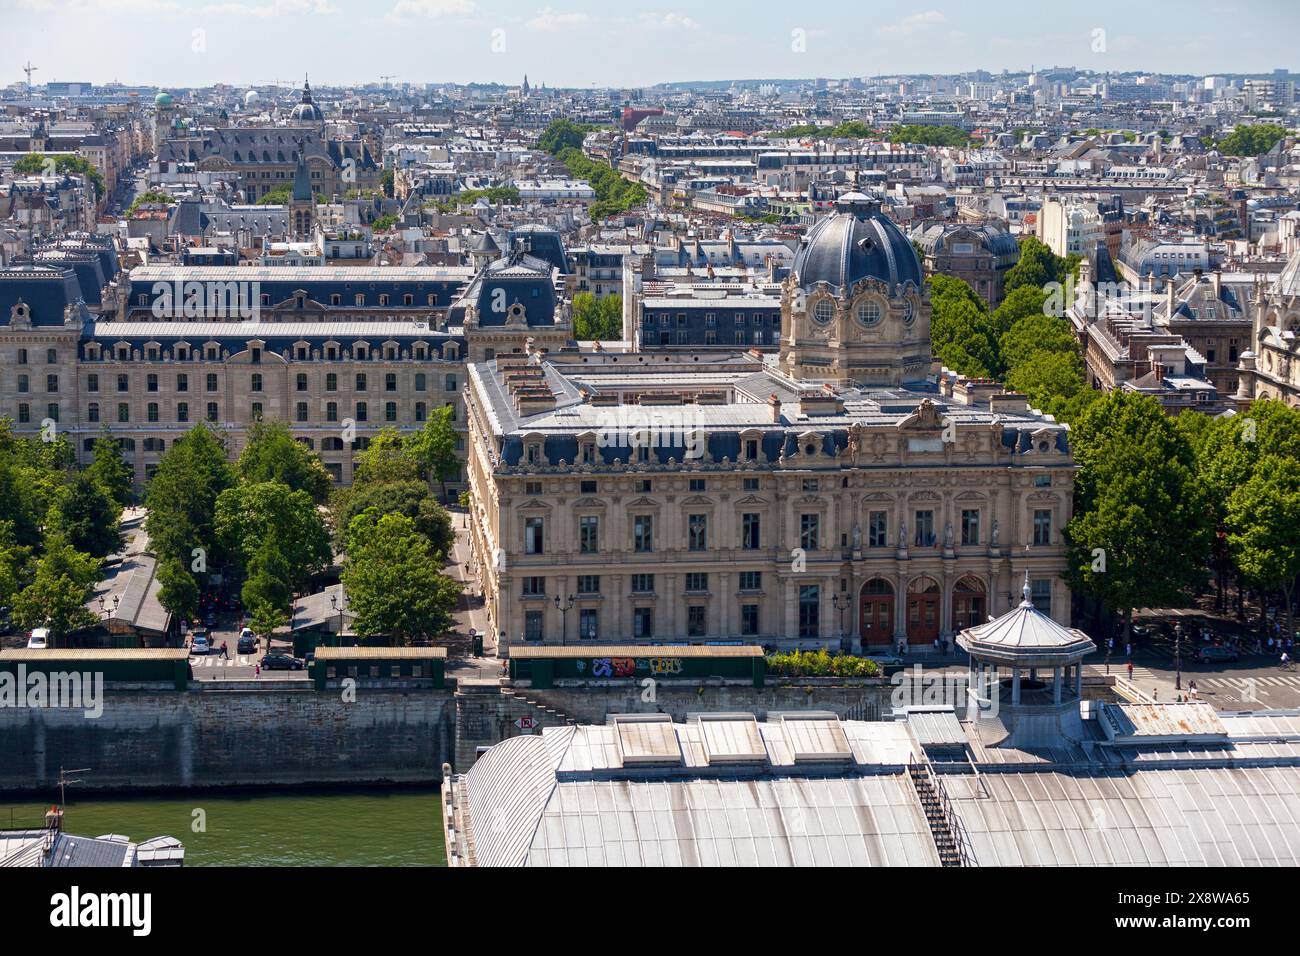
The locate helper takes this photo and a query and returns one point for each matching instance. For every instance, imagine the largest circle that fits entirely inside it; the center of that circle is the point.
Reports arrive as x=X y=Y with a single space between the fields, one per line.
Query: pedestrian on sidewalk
x=257 y=670
x=1130 y=670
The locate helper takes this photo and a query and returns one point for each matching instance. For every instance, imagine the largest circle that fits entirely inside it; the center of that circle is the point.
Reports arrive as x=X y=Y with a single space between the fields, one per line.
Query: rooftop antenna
x=64 y=781
x=29 y=70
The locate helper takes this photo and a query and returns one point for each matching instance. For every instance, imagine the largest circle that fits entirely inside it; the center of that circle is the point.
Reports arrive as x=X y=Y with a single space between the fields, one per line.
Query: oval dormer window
x=909 y=312
x=823 y=312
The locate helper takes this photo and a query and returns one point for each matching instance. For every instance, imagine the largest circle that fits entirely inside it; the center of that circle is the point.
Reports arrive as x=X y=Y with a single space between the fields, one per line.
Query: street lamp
x=1178 y=657
x=564 y=616
x=339 y=602
x=840 y=602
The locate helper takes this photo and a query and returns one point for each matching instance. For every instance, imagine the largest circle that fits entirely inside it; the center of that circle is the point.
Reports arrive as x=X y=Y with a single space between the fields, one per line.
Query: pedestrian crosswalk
x=1285 y=680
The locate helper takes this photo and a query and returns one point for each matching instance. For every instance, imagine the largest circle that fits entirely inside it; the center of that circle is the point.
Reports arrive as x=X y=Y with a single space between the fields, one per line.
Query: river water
x=329 y=828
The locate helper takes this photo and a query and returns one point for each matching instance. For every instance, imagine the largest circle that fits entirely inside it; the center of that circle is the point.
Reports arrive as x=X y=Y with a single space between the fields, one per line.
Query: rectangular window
x=643 y=622
x=749 y=620
x=970 y=526
x=751 y=580
x=588 y=624
x=696 y=620
x=697 y=532
x=809 y=610
x=924 y=532
x=533 y=626
x=697 y=581
x=1040 y=593
x=643 y=583
x=588 y=583
x=589 y=534
x=534 y=586
x=643 y=533
x=750 y=525
x=92 y=383
x=533 y=543
x=810 y=532
x=1042 y=527
x=878 y=529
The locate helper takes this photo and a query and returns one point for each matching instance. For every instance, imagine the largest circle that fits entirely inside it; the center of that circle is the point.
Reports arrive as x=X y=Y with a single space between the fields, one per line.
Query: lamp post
x=339 y=603
x=564 y=617
x=840 y=602
x=1178 y=657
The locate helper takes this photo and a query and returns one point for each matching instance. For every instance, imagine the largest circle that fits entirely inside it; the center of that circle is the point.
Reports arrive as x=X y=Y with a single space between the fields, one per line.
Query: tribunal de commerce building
x=845 y=491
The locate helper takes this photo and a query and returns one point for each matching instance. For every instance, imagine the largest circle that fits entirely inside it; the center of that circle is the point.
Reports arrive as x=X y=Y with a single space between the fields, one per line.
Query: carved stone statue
x=993 y=541
x=947 y=535
x=902 y=534
x=857 y=536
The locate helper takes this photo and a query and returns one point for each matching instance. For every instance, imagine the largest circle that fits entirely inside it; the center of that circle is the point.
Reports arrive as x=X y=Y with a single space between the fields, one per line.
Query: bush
x=821 y=664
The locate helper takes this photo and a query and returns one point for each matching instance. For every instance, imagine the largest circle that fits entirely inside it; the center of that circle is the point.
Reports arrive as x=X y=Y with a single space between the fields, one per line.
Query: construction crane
x=288 y=83
x=29 y=70
x=386 y=77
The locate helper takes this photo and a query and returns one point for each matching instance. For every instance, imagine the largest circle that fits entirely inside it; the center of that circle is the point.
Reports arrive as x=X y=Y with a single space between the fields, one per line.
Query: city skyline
x=576 y=44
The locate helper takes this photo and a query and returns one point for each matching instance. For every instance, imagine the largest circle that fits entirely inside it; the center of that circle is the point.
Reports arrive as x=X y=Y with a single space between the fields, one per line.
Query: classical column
x=900 y=609
x=1015 y=686
x=1056 y=684
x=1078 y=680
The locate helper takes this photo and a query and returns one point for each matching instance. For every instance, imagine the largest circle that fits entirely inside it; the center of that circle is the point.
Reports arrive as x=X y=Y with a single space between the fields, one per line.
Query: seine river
x=327 y=828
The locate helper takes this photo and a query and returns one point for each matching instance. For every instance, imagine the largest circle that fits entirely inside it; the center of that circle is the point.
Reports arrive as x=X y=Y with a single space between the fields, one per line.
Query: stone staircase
x=938 y=813
x=549 y=716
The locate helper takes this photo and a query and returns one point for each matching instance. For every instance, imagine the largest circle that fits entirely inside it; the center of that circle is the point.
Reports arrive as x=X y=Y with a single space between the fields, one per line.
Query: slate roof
x=856 y=242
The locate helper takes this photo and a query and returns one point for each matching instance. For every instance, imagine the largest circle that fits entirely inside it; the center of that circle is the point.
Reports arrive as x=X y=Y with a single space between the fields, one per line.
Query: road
x=1253 y=683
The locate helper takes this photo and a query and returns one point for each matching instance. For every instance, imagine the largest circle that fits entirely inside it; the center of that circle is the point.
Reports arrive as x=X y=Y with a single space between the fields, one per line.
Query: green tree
x=182 y=496
x=273 y=454
x=1037 y=333
x=86 y=517
x=563 y=134
x=269 y=581
x=597 y=319
x=15 y=562
x=61 y=587
x=110 y=471
x=252 y=518
x=393 y=584
x=1263 y=527
x=265 y=620
x=178 y=592
x=1050 y=380
x=408 y=498
x=1137 y=507
x=1251 y=140
x=434 y=448
x=38 y=164
x=1022 y=303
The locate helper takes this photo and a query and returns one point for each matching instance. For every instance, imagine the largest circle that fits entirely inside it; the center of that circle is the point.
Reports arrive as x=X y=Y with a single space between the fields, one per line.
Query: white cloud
x=667 y=21
x=430 y=9
x=916 y=23
x=266 y=11
x=549 y=20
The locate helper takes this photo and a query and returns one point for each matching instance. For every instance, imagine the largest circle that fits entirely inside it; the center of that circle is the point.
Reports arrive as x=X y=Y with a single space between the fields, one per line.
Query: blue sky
x=581 y=43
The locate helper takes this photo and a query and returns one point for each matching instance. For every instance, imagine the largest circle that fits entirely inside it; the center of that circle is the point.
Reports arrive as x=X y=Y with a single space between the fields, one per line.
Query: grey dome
x=856 y=242
x=307 y=111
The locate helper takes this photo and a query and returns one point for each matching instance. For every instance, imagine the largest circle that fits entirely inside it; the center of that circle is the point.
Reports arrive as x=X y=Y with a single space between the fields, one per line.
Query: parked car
x=246 y=644
x=281 y=662
x=1207 y=655
x=885 y=659
x=39 y=639
x=200 y=645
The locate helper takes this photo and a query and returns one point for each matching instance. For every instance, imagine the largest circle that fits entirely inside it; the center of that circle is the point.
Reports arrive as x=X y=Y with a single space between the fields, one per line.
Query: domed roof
x=163 y=99
x=856 y=242
x=251 y=97
x=307 y=111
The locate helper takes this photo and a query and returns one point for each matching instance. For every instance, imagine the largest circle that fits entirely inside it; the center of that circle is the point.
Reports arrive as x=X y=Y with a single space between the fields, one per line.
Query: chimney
x=54 y=820
x=1216 y=278
x=774 y=403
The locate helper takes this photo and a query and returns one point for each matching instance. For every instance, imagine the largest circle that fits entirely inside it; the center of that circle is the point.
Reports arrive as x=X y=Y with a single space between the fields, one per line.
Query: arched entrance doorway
x=876 y=612
x=922 y=611
x=969 y=606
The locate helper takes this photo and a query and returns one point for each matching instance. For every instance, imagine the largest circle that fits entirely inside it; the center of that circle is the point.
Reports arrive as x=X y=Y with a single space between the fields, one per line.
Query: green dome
x=162 y=99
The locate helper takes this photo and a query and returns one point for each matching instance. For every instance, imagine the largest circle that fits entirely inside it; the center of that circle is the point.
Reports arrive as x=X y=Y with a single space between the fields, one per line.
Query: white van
x=39 y=639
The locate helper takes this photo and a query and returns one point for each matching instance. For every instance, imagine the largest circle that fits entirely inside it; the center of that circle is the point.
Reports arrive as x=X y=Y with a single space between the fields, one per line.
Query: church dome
x=307 y=111
x=251 y=97
x=856 y=242
x=163 y=99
